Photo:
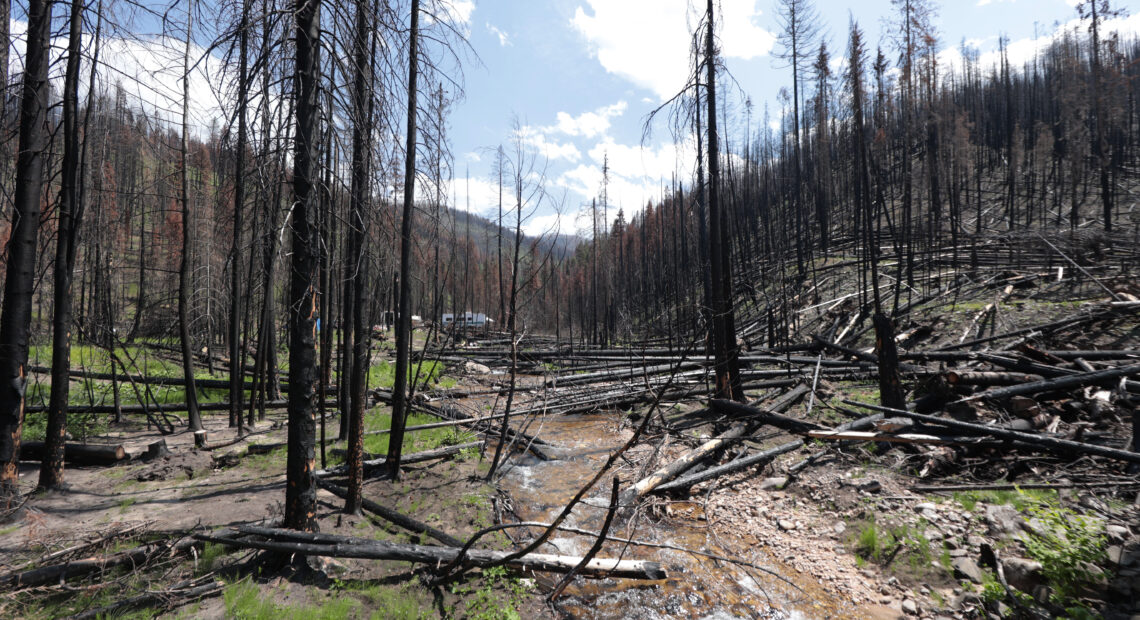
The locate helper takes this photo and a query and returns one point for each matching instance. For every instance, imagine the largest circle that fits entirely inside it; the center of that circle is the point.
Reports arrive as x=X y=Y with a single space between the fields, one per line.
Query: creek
x=697 y=586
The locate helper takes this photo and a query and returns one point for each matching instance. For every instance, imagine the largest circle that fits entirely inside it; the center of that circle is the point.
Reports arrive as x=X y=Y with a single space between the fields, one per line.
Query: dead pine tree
x=890 y=388
x=70 y=214
x=16 y=314
x=527 y=183
x=300 y=483
x=237 y=352
x=362 y=96
x=799 y=27
x=725 y=348
x=403 y=315
x=184 y=268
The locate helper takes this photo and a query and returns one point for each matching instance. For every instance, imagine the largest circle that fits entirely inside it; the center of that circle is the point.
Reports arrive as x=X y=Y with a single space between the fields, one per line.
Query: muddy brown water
x=697 y=586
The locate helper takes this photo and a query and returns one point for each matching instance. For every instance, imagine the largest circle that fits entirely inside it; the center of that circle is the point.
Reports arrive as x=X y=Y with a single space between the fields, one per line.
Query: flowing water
x=696 y=587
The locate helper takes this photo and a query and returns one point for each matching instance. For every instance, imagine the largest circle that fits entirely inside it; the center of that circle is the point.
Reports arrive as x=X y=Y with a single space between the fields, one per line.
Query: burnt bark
x=404 y=315
x=70 y=211
x=300 y=485
x=16 y=315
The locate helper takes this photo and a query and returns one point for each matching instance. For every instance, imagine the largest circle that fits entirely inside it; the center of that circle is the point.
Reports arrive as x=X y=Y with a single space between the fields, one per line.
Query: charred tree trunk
x=237 y=353
x=726 y=351
x=300 y=487
x=16 y=315
x=70 y=211
x=184 y=268
x=356 y=280
x=404 y=316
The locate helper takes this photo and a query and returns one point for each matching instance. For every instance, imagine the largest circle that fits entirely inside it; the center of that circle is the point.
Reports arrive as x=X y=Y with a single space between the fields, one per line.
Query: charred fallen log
x=77 y=453
x=329 y=545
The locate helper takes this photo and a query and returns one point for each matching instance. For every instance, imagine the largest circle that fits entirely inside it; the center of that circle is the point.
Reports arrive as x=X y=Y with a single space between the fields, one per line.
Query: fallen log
x=79 y=568
x=966 y=377
x=209 y=384
x=764 y=416
x=1023 y=364
x=144 y=409
x=915 y=438
x=854 y=425
x=181 y=593
x=328 y=545
x=694 y=456
x=1059 y=383
x=421 y=427
x=1043 y=441
x=377 y=463
x=625 y=374
x=76 y=453
x=728 y=468
x=1047 y=328
x=686 y=462
x=392 y=516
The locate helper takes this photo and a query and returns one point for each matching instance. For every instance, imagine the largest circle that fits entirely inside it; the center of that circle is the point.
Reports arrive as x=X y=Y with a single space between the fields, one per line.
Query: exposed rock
x=786 y=525
x=1115 y=553
x=966 y=600
x=966 y=568
x=909 y=607
x=1117 y=533
x=774 y=484
x=476 y=368
x=1003 y=520
x=1023 y=574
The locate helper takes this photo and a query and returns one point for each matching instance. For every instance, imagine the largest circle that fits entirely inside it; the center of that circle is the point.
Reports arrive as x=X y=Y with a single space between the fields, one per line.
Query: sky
x=578 y=78
x=581 y=76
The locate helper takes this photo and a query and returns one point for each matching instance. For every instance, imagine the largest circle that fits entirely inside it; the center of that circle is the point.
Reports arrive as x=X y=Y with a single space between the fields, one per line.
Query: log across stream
x=697 y=587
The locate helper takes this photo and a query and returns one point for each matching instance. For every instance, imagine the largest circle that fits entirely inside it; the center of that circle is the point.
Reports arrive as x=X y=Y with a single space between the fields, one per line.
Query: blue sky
x=581 y=75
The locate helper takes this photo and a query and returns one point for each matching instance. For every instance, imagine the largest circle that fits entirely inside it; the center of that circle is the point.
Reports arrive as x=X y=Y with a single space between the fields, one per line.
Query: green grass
x=380 y=419
x=9 y=529
x=398 y=602
x=1020 y=499
x=209 y=557
x=903 y=548
x=270 y=462
x=244 y=601
x=430 y=374
x=496 y=593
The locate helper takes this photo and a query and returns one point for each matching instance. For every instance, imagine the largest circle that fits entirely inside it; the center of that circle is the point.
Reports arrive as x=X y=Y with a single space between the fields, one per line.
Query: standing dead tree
x=300 y=487
x=16 y=315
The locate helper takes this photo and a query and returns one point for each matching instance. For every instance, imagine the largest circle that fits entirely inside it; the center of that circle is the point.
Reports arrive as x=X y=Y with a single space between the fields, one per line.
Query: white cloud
x=550 y=224
x=588 y=124
x=458 y=11
x=477 y=195
x=536 y=137
x=636 y=175
x=648 y=41
x=504 y=38
x=148 y=68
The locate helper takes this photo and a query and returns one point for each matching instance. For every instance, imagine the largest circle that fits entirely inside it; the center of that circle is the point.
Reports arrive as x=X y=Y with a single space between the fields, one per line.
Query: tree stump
x=157 y=450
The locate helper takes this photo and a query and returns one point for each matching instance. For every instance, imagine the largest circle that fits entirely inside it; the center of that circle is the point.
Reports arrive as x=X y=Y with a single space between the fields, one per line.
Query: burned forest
x=318 y=309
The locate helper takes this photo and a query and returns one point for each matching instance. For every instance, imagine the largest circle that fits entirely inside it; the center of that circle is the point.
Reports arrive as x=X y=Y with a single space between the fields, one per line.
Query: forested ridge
x=231 y=284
